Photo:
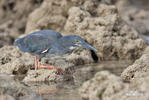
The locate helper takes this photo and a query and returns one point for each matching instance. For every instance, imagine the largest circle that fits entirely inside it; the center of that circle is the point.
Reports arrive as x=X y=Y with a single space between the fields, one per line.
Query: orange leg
x=36 y=63
x=43 y=66
x=59 y=70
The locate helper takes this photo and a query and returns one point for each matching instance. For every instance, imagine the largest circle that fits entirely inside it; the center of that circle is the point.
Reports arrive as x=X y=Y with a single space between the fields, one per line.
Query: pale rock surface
x=136 y=70
x=103 y=86
x=107 y=86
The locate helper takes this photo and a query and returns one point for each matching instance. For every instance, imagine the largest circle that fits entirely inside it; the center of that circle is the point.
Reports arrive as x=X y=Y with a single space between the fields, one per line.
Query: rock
x=137 y=75
x=12 y=89
x=13 y=61
x=140 y=84
x=81 y=56
x=103 y=86
x=136 y=70
x=135 y=14
x=53 y=14
x=139 y=81
x=13 y=17
x=42 y=75
x=5 y=37
x=106 y=31
x=107 y=86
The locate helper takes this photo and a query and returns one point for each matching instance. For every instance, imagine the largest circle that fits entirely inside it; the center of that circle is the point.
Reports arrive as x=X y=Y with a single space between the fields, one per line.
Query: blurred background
x=14 y=16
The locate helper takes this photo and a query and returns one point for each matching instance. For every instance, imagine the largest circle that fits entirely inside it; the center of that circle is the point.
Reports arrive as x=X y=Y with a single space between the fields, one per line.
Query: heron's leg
x=36 y=63
x=44 y=66
x=59 y=70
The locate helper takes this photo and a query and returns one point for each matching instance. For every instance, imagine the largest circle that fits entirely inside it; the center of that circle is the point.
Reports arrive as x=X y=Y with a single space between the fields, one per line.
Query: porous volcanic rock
x=13 y=61
x=107 y=86
x=52 y=14
x=103 y=86
x=139 y=68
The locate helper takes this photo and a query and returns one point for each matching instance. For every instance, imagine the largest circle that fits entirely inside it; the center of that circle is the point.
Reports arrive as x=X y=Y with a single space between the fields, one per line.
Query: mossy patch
x=101 y=94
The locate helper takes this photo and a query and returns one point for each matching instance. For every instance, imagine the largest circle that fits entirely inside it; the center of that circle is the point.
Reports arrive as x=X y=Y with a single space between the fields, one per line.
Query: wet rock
x=136 y=70
x=11 y=89
x=106 y=31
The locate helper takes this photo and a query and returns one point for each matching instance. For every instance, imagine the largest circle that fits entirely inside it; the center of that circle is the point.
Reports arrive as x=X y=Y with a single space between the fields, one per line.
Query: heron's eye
x=76 y=41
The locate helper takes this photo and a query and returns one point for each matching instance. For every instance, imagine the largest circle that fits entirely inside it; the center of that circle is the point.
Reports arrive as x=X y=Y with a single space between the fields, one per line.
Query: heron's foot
x=59 y=70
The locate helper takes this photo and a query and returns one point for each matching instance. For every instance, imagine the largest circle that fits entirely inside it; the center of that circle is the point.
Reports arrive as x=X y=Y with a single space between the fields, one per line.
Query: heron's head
x=77 y=41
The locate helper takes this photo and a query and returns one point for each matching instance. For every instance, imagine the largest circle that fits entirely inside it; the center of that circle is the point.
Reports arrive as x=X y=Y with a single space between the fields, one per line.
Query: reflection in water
x=60 y=91
x=141 y=4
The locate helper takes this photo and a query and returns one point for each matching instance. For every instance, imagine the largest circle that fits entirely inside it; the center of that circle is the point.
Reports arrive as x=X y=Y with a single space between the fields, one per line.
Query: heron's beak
x=86 y=45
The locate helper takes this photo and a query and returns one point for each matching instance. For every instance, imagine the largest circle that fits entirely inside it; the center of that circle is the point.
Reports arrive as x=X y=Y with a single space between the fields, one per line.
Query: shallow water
x=68 y=89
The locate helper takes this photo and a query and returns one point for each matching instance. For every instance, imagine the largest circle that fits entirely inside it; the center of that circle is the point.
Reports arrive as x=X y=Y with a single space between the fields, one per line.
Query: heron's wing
x=37 y=42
